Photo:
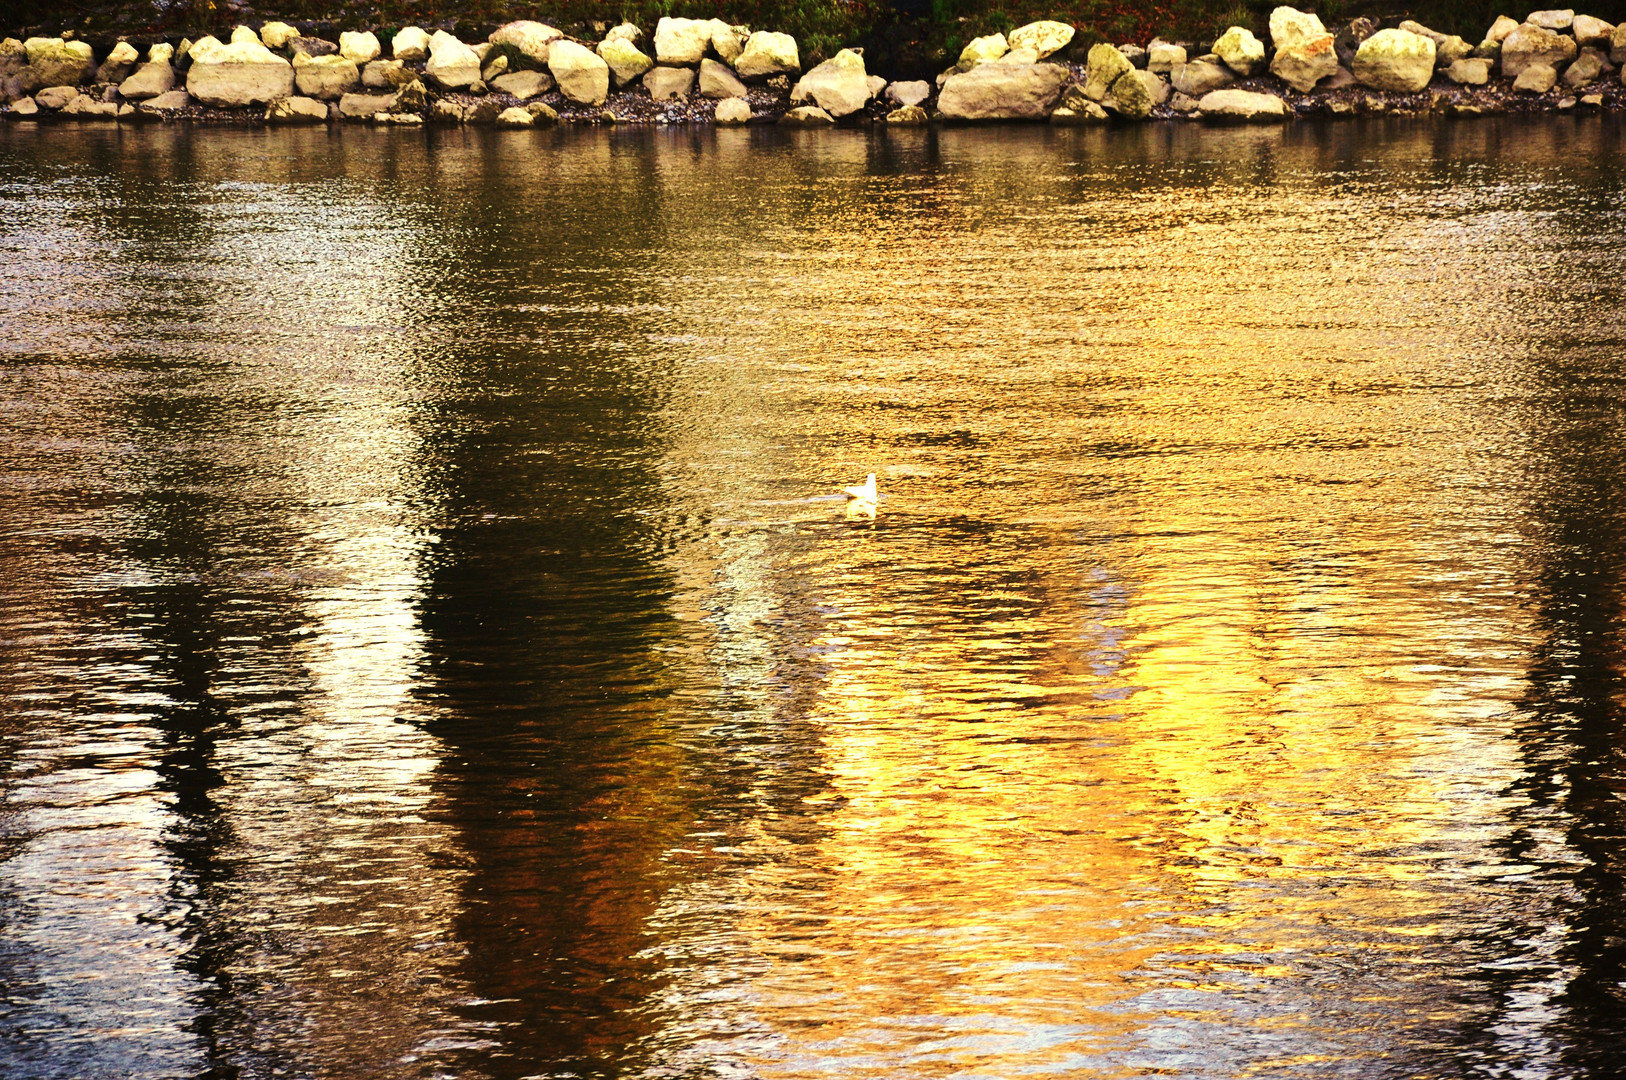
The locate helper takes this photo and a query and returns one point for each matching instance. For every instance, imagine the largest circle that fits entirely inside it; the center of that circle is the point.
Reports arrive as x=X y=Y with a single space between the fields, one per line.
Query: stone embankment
x=528 y=73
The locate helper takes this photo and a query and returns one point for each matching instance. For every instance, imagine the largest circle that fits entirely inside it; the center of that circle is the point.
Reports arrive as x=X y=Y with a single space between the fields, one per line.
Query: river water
x=430 y=646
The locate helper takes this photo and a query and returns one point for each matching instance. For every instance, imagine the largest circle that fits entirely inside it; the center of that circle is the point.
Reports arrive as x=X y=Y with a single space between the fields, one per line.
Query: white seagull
x=864 y=493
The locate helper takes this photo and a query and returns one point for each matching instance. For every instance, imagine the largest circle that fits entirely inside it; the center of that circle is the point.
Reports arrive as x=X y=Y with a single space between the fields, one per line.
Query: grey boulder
x=1004 y=91
x=365 y=106
x=1535 y=79
x=327 y=78
x=909 y=93
x=296 y=110
x=733 y=111
x=1200 y=77
x=523 y=84
x=1241 y=106
x=55 y=97
x=668 y=83
x=719 y=81
x=839 y=86
x=807 y=116
x=1530 y=45
x=242 y=73
x=148 y=81
x=56 y=62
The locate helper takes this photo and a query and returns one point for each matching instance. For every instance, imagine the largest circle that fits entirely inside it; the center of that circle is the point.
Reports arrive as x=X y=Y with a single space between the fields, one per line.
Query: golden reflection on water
x=1287 y=722
x=548 y=715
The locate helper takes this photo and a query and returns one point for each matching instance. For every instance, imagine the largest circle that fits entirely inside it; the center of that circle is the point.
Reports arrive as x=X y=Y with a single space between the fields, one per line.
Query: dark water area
x=429 y=646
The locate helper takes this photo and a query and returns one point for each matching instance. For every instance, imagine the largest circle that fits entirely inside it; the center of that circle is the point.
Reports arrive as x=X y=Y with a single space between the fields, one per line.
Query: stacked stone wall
x=709 y=71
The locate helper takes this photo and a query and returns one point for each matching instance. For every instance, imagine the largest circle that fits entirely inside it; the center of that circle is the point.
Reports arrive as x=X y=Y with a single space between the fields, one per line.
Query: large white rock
x=983 y=50
x=1591 y=31
x=1501 y=28
x=1102 y=67
x=1130 y=97
x=728 y=41
x=1045 y=37
x=1448 y=48
x=1240 y=50
x=523 y=84
x=909 y=93
x=1002 y=91
x=59 y=63
x=1535 y=79
x=199 y=50
x=1200 y=77
x=1157 y=87
x=668 y=83
x=85 y=107
x=1452 y=49
x=767 y=53
x=514 y=117
x=12 y=56
x=1290 y=27
x=448 y=111
x=412 y=98
x=380 y=74
x=327 y=78
x=244 y=35
x=719 y=81
x=277 y=34
x=734 y=110
x=122 y=53
x=1396 y=60
x=242 y=73
x=581 y=73
x=410 y=43
x=365 y=106
x=1472 y=72
x=681 y=41
x=807 y=116
x=296 y=110
x=359 y=46
x=627 y=62
x=1162 y=57
x=451 y=63
x=1587 y=69
x=839 y=86
x=1531 y=44
x=1552 y=20
x=148 y=81
x=494 y=68
x=175 y=99
x=1305 y=62
x=1076 y=110
x=1240 y=105
x=531 y=38
x=162 y=52
x=56 y=97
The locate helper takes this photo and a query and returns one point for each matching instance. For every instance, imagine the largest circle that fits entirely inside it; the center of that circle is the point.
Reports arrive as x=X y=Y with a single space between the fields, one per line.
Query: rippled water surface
x=430 y=648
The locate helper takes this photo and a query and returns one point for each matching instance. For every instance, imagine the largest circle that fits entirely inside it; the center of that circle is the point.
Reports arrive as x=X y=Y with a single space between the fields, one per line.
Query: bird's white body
x=864 y=493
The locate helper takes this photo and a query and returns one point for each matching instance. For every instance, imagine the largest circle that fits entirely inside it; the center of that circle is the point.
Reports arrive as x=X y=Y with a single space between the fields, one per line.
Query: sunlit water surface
x=429 y=646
